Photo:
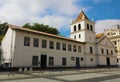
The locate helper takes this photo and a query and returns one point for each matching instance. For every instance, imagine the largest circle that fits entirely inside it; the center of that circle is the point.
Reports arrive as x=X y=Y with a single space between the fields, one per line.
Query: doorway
x=77 y=62
x=108 y=61
x=43 y=61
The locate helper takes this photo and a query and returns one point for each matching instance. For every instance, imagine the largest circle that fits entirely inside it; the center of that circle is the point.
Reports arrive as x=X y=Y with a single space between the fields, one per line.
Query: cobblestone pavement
x=84 y=75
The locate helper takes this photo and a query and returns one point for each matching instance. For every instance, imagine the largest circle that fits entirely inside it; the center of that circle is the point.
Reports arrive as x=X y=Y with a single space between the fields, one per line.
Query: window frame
x=57 y=45
x=111 y=52
x=79 y=49
x=35 y=62
x=107 y=52
x=102 y=50
x=74 y=36
x=51 y=61
x=44 y=43
x=74 y=48
x=64 y=61
x=26 y=41
x=91 y=59
x=91 y=27
x=91 y=49
x=81 y=59
x=64 y=46
x=75 y=28
x=87 y=26
x=79 y=35
x=69 y=47
x=51 y=44
x=79 y=26
x=35 y=42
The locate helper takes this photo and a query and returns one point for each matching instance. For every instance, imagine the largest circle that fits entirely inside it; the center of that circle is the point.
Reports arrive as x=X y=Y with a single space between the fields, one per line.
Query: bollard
x=20 y=69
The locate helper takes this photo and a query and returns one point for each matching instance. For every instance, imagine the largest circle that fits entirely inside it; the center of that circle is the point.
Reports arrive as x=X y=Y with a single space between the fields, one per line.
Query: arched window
x=91 y=50
x=87 y=26
x=79 y=26
x=74 y=27
x=91 y=28
x=79 y=36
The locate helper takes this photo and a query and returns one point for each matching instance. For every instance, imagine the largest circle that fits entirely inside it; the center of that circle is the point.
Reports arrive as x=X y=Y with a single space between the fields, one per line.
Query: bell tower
x=82 y=29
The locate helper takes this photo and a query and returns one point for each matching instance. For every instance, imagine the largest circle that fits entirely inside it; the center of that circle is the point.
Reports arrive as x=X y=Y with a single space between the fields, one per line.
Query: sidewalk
x=40 y=74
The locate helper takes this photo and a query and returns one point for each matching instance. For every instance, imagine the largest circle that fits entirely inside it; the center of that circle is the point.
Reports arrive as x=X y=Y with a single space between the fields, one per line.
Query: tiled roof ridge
x=99 y=35
x=40 y=32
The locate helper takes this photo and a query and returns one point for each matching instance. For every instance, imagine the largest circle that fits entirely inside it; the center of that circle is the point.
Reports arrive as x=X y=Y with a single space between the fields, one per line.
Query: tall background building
x=113 y=33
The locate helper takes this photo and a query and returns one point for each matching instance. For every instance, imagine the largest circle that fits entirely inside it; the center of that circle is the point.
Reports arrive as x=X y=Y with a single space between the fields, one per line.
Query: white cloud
x=56 y=13
x=104 y=24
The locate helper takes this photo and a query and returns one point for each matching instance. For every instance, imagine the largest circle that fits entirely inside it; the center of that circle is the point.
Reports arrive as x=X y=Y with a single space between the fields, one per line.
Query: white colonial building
x=25 y=48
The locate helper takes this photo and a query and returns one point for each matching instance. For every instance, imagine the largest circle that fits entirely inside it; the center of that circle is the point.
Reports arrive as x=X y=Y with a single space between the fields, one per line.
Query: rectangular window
x=51 y=45
x=64 y=61
x=79 y=36
x=91 y=28
x=35 y=60
x=102 y=50
x=82 y=59
x=35 y=42
x=63 y=46
x=74 y=48
x=91 y=59
x=87 y=26
x=26 y=41
x=69 y=47
x=58 y=46
x=72 y=58
x=111 y=52
x=51 y=61
x=91 y=51
x=74 y=36
x=115 y=42
x=44 y=43
x=107 y=51
x=79 y=48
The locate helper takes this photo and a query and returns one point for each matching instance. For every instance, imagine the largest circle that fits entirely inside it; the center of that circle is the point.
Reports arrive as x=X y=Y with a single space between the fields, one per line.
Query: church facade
x=28 y=48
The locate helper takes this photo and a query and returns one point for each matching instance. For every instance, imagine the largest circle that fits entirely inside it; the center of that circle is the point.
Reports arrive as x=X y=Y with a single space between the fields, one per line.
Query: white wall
x=23 y=55
x=106 y=44
x=7 y=45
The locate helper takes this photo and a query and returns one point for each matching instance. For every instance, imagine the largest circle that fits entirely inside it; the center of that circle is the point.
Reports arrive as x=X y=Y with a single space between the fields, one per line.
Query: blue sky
x=105 y=13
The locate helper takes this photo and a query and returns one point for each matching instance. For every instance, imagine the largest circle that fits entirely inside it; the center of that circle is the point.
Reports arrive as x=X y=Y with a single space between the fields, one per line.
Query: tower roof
x=81 y=16
x=98 y=36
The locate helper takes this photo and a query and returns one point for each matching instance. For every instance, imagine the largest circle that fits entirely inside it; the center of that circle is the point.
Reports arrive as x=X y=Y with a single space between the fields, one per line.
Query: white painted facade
x=113 y=33
x=17 y=54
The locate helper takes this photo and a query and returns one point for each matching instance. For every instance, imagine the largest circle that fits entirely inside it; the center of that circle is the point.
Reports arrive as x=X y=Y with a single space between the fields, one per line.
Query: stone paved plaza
x=84 y=75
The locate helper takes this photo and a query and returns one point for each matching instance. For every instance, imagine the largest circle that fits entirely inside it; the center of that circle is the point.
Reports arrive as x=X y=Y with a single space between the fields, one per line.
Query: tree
x=3 y=29
x=41 y=27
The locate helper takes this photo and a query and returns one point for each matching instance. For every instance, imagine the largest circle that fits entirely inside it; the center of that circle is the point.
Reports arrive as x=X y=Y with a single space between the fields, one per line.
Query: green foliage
x=41 y=27
x=3 y=29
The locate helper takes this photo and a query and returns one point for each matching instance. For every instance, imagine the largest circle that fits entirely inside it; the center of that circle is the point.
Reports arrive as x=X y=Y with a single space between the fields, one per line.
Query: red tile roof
x=42 y=33
x=81 y=16
x=98 y=36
